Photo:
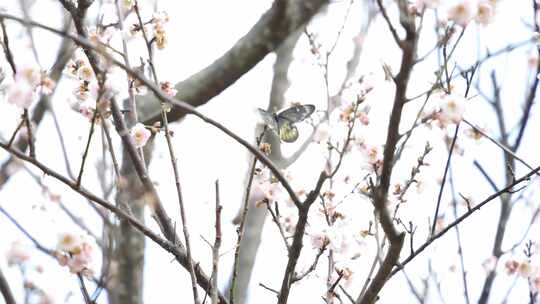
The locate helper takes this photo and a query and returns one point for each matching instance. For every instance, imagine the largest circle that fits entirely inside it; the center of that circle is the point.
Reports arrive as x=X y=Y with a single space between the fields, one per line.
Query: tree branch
x=282 y=19
x=6 y=290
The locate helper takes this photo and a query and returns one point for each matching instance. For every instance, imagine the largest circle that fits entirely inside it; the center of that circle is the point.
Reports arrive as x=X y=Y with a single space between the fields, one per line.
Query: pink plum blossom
x=140 y=135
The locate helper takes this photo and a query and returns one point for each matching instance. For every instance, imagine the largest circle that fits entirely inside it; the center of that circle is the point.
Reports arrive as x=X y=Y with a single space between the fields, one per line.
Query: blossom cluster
x=156 y=26
x=526 y=270
x=461 y=12
x=75 y=252
x=27 y=85
x=448 y=109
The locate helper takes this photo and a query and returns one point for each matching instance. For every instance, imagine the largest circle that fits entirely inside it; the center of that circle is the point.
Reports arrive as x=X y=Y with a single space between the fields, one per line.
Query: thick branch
x=408 y=46
x=282 y=19
x=6 y=290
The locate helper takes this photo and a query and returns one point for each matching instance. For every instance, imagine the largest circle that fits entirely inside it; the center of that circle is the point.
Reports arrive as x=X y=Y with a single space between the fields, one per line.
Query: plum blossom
x=168 y=88
x=271 y=191
x=86 y=90
x=116 y=83
x=490 y=263
x=266 y=187
x=461 y=12
x=452 y=107
x=140 y=135
x=85 y=73
x=17 y=254
x=319 y=240
x=159 y=20
x=86 y=109
x=99 y=35
x=535 y=283
x=46 y=84
x=68 y=242
x=336 y=238
x=485 y=12
x=371 y=154
x=79 y=69
x=524 y=268
x=20 y=93
x=74 y=252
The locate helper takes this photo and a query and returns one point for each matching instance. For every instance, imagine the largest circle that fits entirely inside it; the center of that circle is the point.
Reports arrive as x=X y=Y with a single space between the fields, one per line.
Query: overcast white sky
x=200 y=31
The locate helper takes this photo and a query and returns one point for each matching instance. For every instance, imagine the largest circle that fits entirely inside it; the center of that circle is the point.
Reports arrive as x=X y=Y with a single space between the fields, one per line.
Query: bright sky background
x=200 y=31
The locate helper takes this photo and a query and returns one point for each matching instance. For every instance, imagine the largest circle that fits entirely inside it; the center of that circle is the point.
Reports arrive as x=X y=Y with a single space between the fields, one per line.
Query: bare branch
x=504 y=190
x=215 y=248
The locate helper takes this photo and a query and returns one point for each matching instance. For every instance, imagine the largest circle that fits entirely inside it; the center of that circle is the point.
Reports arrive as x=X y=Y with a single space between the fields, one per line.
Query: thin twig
x=443 y=182
x=84 y=291
x=463 y=217
x=29 y=134
x=240 y=230
x=311 y=268
x=459 y=243
x=278 y=224
x=498 y=144
x=215 y=248
x=7 y=49
x=14 y=134
x=87 y=148
x=26 y=233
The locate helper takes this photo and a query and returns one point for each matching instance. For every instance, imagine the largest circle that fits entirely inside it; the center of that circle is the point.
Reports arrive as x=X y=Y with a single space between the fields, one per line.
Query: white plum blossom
x=269 y=190
x=17 y=254
x=461 y=12
x=158 y=21
x=85 y=73
x=452 y=107
x=68 y=242
x=20 y=93
x=319 y=240
x=485 y=12
x=490 y=264
x=140 y=135
x=116 y=83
